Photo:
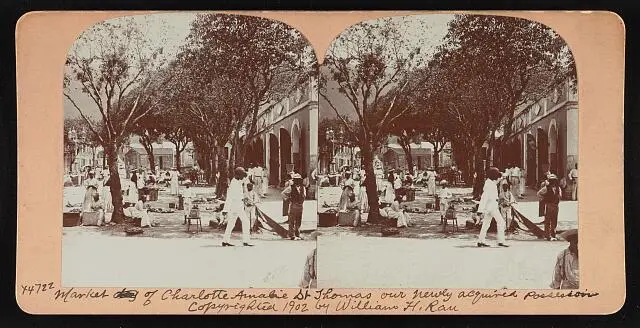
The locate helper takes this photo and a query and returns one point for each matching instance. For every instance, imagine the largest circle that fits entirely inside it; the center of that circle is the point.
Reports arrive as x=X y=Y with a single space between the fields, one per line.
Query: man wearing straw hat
x=550 y=195
x=295 y=194
x=566 y=274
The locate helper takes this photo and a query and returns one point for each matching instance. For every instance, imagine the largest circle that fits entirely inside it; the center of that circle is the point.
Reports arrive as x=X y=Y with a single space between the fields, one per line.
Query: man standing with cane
x=488 y=208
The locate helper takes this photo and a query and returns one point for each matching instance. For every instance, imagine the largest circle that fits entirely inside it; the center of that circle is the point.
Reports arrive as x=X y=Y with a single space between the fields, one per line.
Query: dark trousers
x=295 y=219
x=551 y=220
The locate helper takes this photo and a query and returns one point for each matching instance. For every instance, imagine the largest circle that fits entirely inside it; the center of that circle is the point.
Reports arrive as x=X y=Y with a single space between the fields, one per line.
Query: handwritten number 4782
x=36 y=288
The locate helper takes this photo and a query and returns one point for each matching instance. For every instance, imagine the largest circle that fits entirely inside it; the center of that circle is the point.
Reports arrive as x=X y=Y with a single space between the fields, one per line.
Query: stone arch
x=553 y=147
x=531 y=158
x=296 y=146
x=285 y=153
x=542 y=139
x=274 y=159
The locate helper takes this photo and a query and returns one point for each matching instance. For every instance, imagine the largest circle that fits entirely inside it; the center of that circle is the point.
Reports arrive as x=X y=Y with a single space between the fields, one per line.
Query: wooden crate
x=70 y=219
x=328 y=219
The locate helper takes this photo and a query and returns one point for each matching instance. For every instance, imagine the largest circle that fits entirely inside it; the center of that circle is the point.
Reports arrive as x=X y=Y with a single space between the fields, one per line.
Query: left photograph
x=190 y=154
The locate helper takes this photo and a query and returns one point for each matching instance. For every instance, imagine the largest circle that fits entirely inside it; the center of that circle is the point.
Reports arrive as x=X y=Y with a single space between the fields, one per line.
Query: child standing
x=250 y=201
x=445 y=196
x=187 y=198
x=506 y=199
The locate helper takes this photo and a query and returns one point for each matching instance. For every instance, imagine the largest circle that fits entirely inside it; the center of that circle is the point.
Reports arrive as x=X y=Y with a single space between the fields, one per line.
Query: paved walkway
x=377 y=262
x=93 y=259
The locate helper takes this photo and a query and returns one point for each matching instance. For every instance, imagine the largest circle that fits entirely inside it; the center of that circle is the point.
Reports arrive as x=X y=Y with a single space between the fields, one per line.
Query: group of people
x=566 y=273
x=245 y=191
x=497 y=200
x=97 y=197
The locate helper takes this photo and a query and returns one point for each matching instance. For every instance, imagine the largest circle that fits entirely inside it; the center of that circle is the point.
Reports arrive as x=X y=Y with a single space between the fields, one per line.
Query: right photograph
x=448 y=155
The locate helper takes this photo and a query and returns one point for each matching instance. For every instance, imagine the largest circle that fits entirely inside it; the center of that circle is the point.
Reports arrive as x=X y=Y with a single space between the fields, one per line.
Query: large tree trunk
x=370 y=184
x=221 y=166
x=178 y=159
x=148 y=148
x=115 y=187
x=436 y=156
x=406 y=147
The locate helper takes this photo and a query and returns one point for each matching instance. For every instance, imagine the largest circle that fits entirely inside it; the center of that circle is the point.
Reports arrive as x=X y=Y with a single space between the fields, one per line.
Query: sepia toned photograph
x=189 y=146
x=448 y=155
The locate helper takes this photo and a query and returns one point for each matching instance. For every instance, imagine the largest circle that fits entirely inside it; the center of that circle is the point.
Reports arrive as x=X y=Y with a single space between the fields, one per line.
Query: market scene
x=448 y=157
x=188 y=161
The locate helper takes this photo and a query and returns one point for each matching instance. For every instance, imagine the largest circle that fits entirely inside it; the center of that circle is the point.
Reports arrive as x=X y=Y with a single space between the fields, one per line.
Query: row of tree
x=208 y=92
x=462 y=91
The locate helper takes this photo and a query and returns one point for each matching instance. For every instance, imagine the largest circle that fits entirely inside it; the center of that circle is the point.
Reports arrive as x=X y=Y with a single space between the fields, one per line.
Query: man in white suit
x=489 y=209
x=234 y=206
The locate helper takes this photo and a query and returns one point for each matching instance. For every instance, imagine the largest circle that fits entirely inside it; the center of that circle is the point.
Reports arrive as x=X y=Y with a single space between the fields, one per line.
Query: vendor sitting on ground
x=139 y=212
x=95 y=206
x=396 y=212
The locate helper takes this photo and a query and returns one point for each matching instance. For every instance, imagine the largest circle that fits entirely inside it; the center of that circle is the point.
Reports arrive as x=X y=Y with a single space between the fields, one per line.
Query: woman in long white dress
x=132 y=191
x=389 y=192
x=91 y=185
x=106 y=194
x=174 y=182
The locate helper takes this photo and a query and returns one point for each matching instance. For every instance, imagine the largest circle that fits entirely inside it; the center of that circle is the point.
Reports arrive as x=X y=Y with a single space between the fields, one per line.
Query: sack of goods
x=90 y=218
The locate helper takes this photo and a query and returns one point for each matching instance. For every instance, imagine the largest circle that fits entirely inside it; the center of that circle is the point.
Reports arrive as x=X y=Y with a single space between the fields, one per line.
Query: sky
x=171 y=29
x=436 y=29
x=168 y=30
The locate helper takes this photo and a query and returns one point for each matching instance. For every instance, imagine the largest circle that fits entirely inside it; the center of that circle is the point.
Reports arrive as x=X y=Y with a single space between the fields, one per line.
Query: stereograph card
x=316 y=163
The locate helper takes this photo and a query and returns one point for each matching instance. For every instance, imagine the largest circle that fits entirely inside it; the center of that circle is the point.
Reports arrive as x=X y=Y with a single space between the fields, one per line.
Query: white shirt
x=489 y=198
x=515 y=172
x=187 y=194
x=257 y=171
x=445 y=194
x=573 y=173
x=235 y=194
x=397 y=183
x=140 y=182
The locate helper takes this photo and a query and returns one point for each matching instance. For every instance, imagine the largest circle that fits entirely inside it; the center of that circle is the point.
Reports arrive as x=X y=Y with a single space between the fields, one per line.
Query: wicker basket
x=389 y=231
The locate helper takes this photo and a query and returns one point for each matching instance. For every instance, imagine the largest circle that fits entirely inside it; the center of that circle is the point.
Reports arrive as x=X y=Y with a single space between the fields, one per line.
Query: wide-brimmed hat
x=569 y=234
